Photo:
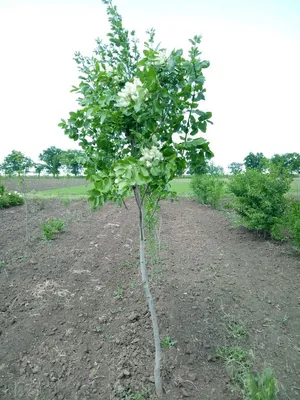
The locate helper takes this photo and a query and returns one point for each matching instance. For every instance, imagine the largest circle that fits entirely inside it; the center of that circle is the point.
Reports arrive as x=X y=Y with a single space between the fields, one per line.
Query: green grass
x=181 y=186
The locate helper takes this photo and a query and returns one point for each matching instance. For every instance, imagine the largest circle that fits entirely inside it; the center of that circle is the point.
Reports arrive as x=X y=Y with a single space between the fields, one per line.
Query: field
x=78 y=187
x=73 y=318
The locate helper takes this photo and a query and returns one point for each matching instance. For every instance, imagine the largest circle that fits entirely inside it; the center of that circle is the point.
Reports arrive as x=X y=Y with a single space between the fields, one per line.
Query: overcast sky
x=253 y=84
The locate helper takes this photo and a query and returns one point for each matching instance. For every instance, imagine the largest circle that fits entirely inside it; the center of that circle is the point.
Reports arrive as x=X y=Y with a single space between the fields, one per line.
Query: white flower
x=162 y=57
x=151 y=156
x=108 y=69
x=131 y=92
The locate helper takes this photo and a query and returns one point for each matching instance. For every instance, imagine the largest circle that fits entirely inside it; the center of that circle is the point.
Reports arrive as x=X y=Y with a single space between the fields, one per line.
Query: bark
x=151 y=304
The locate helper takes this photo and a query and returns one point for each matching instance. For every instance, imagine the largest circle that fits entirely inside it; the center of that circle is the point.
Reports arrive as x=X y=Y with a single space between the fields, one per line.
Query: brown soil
x=74 y=322
x=43 y=183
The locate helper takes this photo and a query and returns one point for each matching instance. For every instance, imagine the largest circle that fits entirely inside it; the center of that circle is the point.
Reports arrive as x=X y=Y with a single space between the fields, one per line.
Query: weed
x=239 y=366
x=119 y=293
x=261 y=386
x=65 y=201
x=133 y=284
x=51 y=228
x=128 y=394
x=236 y=329
x=284 y=319
x=167 y=342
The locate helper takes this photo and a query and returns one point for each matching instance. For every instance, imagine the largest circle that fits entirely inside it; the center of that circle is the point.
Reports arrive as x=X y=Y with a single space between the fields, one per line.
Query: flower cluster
x=151 y=156
x=131 y=92
x=162 y=57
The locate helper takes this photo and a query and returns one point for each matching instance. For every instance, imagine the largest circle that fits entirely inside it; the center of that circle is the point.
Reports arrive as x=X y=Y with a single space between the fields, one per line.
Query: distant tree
x=213 y=169
x=39 y=168
x=235 y=168
x=52 y=159
x=73 y=161
x=289 y=161
x=16 y=162
x=256 y=161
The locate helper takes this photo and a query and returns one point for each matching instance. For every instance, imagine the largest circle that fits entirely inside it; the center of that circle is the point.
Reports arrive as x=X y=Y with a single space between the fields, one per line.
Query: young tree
x=256 y=161
x=73 y=161
x=235 y=168
x=16 y=162
x=52 y=159
x=130 y=108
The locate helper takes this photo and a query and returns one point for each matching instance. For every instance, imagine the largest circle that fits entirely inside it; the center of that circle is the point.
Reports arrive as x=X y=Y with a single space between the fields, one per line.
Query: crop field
x=74 y=322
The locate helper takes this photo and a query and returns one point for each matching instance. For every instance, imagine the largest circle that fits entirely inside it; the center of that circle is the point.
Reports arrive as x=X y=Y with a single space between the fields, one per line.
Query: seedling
x=119 y=293
x=167 y=342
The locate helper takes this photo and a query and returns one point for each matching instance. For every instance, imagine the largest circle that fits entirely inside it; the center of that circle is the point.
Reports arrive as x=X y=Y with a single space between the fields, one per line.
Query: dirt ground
x=74 y=322
x=41 y=183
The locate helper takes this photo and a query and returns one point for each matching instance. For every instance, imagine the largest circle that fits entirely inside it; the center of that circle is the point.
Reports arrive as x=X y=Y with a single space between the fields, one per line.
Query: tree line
x=52 y=161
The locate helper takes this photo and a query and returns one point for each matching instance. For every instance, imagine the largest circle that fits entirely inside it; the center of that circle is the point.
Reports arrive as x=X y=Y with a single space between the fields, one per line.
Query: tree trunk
x=151 y=304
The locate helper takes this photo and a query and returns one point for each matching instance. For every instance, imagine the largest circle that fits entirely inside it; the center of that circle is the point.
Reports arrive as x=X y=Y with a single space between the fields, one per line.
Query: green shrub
x=208 y=189
x=51 y=227
x=2 y=190
x=259 y=199
x=10 y=199
x=290 y=226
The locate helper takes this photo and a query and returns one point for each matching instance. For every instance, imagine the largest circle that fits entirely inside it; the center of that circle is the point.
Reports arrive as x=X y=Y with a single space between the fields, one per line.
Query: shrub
x=10 y=199
x=208 y=189
x=259 y=199
x=51 y=228
x=290 y=226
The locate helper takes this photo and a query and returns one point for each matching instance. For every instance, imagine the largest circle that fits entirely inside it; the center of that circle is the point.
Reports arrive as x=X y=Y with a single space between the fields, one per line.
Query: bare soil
x=74 y=322
x=42 y=183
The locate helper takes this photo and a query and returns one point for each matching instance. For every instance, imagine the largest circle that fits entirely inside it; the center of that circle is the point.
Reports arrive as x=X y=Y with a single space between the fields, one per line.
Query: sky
x=253 y=83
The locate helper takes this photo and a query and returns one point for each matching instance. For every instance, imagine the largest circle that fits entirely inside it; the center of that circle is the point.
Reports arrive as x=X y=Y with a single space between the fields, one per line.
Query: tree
x=213 y=169
x=52 y=159
x=235 y=168
x=73 y=161
x=16 y=162
x=130 y=108
x=256 y=161
x=289 y=161
x=39 y=168
x=198 y=164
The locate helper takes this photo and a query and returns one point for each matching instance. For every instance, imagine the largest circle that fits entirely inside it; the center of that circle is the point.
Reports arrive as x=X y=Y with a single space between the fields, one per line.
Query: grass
x=179 y=185
x=239 y=367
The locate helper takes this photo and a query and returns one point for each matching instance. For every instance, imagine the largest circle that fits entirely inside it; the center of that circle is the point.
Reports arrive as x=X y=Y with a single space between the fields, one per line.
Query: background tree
x=131 y=105
x=52 y=160
x=213 y=169
x=290 y=161
x=256 y=161
x=16 y=162
x=39 y=168
x=73 y=161
x=235 y=168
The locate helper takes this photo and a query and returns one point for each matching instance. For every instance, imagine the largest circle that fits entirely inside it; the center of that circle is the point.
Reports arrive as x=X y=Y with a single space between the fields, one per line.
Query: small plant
x=119 y=293
x=133 y=284
x=2 y=263
x=167 y=342
x=51 y=227
x=208 y=189
x=128 y=394
x=239 y=366
x=235 y=328
x=66 y=201
x=262 y=386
